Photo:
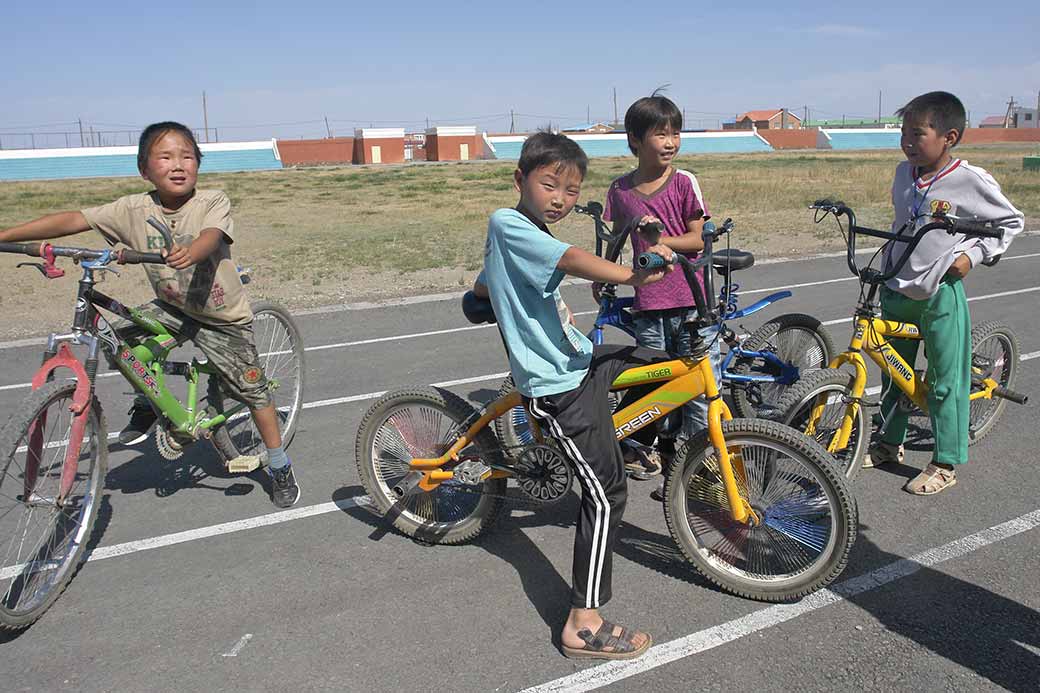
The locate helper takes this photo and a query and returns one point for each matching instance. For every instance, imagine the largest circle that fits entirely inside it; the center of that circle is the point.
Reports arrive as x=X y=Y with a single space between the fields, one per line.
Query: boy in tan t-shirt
x=198 y=291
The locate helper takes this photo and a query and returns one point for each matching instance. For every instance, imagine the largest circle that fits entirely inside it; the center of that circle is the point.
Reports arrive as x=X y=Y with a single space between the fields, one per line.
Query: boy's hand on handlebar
x=960 y=267
x=179 y=257
x=650 y=229
x=643 y=277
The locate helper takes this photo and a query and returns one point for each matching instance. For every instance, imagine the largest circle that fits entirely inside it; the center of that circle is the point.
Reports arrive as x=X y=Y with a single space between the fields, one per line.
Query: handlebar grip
x=969 y=229
x=650 y=261
x=32 y=249
x=133 y=257
x=1015 y=397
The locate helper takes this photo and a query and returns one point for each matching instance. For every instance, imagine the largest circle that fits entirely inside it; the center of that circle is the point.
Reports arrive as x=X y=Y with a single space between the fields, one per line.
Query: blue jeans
x=664 y=330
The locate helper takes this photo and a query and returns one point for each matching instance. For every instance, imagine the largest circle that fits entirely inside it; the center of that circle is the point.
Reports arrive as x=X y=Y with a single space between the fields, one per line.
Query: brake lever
x=47 y=268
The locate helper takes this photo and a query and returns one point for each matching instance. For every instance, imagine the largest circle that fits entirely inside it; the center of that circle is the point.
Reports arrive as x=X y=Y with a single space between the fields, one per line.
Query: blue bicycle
x=757 y=369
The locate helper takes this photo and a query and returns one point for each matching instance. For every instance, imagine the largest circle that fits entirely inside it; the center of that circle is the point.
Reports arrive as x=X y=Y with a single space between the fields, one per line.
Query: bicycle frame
x=870 y=335
x=145 y=366
x=682 y=380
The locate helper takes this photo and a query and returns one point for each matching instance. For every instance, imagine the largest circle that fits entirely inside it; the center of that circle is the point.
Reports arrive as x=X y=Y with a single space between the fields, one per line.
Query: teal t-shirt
x=547 y=355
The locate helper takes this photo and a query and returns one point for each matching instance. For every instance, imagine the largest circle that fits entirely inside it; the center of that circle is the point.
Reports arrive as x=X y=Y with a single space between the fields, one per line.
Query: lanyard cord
x=916 y=206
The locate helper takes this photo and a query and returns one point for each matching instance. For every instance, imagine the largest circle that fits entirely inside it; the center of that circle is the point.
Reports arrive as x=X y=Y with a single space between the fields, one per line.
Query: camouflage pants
x=230 y=349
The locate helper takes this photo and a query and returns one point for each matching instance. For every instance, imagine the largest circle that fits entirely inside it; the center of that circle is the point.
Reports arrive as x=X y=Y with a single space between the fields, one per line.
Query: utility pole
x=80 y=121
x=205 y=115
x=879 y=107
x=805 y=115
x=512 y=121
x=327 y=128
x=588 y=116
x=615 y=105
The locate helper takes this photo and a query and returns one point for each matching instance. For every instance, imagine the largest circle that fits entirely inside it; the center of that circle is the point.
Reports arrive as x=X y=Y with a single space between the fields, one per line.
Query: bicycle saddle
x=732 y=259
x=478 y=310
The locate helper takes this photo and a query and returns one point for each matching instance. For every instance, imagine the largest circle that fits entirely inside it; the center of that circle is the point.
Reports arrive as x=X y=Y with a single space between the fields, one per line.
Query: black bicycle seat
x=732 y=260
x=478 y=310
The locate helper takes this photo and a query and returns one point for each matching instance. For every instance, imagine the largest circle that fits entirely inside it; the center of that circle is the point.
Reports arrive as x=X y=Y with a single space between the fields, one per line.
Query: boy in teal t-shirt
x=563 y=379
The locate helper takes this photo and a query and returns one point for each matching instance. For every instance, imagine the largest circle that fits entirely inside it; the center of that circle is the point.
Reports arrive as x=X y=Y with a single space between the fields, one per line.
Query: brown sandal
x=931 y=481
x=605 y=645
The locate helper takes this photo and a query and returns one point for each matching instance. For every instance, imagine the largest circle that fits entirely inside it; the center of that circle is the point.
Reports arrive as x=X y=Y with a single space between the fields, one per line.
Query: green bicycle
x=54 y=449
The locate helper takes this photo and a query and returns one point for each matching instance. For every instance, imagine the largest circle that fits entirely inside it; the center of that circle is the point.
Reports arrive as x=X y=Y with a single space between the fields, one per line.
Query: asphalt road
x=195 y=582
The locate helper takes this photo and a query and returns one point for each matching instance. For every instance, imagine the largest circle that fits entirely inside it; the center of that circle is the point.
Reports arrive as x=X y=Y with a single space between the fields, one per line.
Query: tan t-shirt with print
x=210 y=291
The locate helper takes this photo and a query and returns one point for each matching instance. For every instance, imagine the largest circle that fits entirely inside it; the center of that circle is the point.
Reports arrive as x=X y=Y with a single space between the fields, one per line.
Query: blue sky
x=278 y=69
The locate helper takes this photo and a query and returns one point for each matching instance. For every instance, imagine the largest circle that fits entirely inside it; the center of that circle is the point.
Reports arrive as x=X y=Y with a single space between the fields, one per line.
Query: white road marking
x=417 y=335
x=164 y=540
x=710 y=638
x=238 y=646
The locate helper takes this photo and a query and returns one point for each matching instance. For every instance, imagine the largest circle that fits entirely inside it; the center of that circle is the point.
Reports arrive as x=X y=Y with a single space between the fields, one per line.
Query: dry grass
x=316 y=236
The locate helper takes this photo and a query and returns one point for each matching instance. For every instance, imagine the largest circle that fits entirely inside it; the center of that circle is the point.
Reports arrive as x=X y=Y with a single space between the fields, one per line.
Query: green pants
x=946 y=328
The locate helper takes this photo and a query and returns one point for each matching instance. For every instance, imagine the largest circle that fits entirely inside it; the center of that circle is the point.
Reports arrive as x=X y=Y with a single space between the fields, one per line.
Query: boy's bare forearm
x=47 y=227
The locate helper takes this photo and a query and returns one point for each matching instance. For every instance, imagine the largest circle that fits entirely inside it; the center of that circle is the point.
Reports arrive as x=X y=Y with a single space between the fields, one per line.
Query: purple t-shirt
x=675 y=203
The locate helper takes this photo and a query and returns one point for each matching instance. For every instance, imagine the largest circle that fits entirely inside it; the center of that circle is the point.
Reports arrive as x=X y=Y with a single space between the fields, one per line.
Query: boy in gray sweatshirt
x=928 y=291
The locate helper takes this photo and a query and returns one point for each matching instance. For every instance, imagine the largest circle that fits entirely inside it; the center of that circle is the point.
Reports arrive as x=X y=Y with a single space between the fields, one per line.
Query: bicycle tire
x=280 y=348
x=984 y=413
x=424 y=422
x=45 y=574
x=796 y=338
x=819 y=513
x=794 y=408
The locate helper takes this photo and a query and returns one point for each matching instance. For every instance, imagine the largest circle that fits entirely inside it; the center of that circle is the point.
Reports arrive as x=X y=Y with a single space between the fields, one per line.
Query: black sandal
x=605 y=645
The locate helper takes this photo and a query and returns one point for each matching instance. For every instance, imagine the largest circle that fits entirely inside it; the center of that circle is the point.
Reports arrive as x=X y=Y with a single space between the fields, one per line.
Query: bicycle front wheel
x=807 y=519
x=829 y=387
x=422 y=423
x=280 y=348
x=797 y=340
x=42 y=536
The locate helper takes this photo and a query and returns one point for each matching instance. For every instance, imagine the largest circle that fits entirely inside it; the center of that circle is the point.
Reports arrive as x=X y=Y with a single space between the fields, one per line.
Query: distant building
x=779 y=118
x=992 y=122
x=1024 y=117
x=836 y=123
x=1018 y=118
x=588 y=127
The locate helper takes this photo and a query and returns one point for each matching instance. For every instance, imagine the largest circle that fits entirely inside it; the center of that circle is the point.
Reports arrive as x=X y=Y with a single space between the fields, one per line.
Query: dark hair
x=649 y=113
x=547 y=149
x=943 y=111
x=154 y=132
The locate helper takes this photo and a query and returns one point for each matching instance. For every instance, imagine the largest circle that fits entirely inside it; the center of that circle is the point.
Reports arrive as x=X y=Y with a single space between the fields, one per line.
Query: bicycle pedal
x=244 y=464
x=472 y=472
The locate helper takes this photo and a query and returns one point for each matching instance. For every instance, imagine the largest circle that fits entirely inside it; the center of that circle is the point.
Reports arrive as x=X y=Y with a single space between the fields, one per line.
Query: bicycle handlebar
x=709 y=234
x=122 y=256
x=948 y=224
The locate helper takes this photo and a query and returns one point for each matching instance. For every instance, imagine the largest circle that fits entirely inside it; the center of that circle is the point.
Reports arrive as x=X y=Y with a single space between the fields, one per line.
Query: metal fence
x=86 y=137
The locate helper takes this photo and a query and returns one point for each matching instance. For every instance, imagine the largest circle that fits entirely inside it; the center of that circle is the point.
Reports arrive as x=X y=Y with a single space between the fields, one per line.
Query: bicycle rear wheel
x=423 y=423
x=513 y=427
x=808 y=518
x=42 y=540
x=280 y=347
x=796 y=339
x=994 y=354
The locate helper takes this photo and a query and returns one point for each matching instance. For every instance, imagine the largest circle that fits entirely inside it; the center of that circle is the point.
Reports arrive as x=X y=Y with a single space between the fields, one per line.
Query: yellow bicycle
x=829 y=404
x=756 y=506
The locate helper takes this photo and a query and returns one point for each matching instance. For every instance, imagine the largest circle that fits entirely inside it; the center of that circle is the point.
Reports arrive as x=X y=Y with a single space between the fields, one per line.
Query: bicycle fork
x=59 y=355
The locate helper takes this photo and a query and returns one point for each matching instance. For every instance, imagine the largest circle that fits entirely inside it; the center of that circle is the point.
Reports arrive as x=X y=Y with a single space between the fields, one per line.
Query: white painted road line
x=702 y=641
x=159 y=542
x=477 y=327
x=238 y=646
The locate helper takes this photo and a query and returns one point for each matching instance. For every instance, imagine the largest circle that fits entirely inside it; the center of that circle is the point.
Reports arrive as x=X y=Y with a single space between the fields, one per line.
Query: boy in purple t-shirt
x=658 y=192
